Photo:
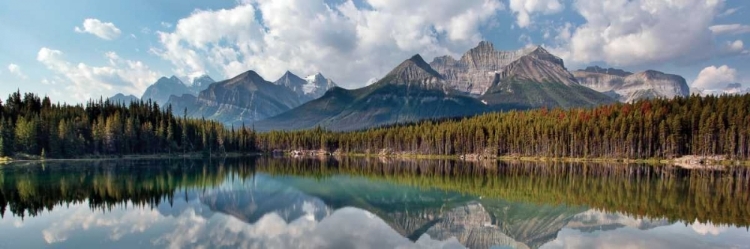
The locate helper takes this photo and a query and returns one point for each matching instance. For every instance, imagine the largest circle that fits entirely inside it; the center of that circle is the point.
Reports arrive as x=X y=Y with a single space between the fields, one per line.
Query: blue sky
x=79 y=49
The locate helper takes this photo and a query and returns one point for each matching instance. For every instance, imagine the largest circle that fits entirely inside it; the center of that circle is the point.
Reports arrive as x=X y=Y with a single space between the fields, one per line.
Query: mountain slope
x=242 y=99
x=122 y=98
x=629 y=87
x=539 y=79
x=410 y=92
x=160 y=91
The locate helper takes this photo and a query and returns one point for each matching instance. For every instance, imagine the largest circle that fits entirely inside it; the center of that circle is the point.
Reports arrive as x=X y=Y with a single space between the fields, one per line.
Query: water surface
x=369 y=203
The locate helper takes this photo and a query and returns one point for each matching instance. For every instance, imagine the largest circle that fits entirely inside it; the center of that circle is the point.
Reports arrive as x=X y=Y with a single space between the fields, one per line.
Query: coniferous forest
x=35 y=127
x=659 y=128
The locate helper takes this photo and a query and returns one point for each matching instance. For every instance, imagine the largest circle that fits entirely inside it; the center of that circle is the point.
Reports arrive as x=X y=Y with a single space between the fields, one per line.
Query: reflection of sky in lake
x=194 y=222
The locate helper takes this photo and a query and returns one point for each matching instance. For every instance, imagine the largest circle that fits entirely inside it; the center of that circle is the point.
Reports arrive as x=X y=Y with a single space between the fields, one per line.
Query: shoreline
x=198 y=155
x=689 y=162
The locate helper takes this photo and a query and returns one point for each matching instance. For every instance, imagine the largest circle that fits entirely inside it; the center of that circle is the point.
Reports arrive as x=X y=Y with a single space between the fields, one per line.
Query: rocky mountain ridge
x=242 y=99
x=629 y=87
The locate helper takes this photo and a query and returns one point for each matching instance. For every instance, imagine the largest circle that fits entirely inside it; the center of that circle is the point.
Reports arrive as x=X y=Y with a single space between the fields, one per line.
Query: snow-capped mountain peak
x=317 y=85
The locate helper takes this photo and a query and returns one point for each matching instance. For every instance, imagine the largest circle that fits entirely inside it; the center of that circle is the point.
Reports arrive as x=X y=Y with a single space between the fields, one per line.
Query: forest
x=658 y=128
x=34 y=127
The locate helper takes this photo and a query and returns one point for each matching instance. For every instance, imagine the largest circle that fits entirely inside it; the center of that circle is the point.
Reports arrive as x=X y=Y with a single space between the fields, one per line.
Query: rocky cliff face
x=628 y=87
x=474 y=72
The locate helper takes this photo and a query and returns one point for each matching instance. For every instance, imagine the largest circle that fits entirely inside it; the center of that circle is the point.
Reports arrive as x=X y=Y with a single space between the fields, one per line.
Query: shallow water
x=369 y=203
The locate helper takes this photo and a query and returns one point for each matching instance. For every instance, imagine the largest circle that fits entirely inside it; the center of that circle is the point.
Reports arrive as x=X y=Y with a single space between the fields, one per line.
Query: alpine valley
x=482 y=80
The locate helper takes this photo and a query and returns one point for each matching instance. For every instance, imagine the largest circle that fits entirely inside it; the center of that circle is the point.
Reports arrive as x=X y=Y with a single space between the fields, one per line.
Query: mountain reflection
x=357 y=202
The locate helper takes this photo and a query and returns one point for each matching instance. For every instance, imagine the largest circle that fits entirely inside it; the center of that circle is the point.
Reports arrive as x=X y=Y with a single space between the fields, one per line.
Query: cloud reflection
x=344 y=228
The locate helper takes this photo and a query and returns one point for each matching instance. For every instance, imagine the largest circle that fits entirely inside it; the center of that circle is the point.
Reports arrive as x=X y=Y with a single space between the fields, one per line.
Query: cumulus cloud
x=86 y=82
x=714 y=78
x=104 y=30
x=525 y=8
x=16 y=70
x=347 y=42
x=639 y=32
x=730 y=29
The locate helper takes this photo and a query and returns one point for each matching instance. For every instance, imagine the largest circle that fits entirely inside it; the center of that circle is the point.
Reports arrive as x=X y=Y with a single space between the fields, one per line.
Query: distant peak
x=486 y=44
x=540 y=49
x=417 y=59
x=610 y=71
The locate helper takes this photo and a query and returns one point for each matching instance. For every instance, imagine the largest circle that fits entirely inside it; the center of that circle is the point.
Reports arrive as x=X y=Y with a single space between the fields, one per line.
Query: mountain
x=242 y=99
x=628 y=87
x=165 y=87
x=410 y=92
x=309 y=88
x=539 y=79
x=122 y=98
x=735 y=88
x=474 y=72
x=201 y=83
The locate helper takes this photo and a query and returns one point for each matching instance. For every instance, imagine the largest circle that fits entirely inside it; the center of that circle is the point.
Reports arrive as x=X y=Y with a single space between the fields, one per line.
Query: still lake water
x=369 y=203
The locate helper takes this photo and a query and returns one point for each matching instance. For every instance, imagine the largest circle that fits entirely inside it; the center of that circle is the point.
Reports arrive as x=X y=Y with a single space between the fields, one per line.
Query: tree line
x=31 y=126
x=658 y=128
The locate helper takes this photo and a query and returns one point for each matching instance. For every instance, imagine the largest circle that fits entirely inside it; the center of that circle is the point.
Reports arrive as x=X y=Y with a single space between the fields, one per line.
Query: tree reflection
x=716 y=196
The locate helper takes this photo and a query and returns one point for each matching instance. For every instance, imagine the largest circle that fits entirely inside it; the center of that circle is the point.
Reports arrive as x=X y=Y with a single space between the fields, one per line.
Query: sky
x=76 y=50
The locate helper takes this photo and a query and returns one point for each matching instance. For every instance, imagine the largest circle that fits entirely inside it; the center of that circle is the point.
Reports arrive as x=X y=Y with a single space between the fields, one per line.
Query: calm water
x=369 y=203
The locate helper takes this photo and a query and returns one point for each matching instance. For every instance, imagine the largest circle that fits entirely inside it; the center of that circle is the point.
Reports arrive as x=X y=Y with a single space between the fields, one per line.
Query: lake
x=369 y=203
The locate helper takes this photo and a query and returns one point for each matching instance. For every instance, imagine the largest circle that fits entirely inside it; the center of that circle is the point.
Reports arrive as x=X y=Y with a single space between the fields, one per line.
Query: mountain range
x=629 y=87
x=412 y=91
x=481 y=80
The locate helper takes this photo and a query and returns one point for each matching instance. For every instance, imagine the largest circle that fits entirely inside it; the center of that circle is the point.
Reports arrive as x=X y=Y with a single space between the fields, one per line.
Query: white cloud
x=166 y=24
x=104 y=30
x=730 y=29
x=729 y=12
x=734 y=47
x=16 y=70
x=121 y=76
x=348 y=43
x=641 y=32
x=524 y=8
x=715 y=78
